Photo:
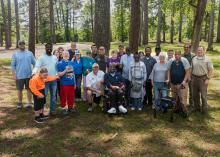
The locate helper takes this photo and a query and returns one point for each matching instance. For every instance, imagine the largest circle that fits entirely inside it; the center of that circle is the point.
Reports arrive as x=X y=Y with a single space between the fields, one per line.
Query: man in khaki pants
x=178 y=75
x=202 y=69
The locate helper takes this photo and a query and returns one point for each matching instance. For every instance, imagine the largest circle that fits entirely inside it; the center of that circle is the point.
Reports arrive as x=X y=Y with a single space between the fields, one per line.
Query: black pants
x=127 y=91
x=78 y=86
x=115 y=98
x=39 y=102
x=148 y=97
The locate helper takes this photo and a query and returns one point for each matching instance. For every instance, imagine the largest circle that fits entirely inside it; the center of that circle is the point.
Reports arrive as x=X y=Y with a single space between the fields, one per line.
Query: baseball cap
x=95 y=65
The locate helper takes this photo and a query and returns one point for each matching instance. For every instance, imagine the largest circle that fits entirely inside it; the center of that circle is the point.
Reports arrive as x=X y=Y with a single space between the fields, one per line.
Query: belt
x=199 y=76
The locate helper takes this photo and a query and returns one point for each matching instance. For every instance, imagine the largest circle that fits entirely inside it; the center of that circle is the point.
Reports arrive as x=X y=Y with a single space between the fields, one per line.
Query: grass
x=84 y=134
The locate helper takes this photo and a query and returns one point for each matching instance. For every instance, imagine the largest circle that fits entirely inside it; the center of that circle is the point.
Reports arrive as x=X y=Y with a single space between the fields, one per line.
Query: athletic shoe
x=139 y=109
x=19 y=106
x=28 y=106
x=52 y=114
x=72 y=110
x=132 y=108
x=122 y=109
x=90 y=109
x=64 y=112
x=38 y=120
x=44 y=117
x=112 y=110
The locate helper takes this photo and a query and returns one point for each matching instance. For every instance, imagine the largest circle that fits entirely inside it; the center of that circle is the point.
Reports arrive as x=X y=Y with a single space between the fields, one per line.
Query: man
x=179 y=71
x=115 y=84
x=149 y=63
x=125 y=62
x=72 y=51
x=22 y=64
x=102 y=59
x=94 y=82
x=121 y=51
x=202 y=69
x=157 y=52
x=170 y=54
x=94 y=51
x=188 y=55
x=49 y=61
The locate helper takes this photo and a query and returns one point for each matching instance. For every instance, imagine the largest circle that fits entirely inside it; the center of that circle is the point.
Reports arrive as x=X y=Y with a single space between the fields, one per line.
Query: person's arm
x=13 y=66
x=210 y=72
x=33 y=60
x=51 y=78
x=33 y=88
x=37 y=66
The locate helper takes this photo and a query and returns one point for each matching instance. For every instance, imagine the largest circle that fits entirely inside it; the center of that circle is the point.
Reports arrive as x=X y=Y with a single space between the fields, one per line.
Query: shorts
x=21 y=83
x=96 y=99
x=39 y=102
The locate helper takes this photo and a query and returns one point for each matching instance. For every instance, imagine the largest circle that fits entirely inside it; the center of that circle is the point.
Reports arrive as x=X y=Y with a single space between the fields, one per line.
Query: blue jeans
x=158 y=93
x=137 y=103
x=52 y=86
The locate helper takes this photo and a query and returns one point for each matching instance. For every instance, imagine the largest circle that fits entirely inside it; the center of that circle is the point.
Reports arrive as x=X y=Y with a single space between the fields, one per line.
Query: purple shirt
x=113 y=60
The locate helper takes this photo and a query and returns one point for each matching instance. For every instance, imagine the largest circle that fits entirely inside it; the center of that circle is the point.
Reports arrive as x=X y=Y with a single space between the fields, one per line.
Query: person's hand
x=14 y=77
x=152 y=83
x=74 y=87
x=40 y=97
x=87 y=71
x=167 y=81
x=99 y=92
x=184 y=83
x=206 y=82
x=123 y=87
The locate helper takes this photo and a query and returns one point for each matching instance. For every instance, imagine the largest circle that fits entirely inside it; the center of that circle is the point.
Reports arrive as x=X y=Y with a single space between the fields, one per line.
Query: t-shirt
x=71 y=54
x=93 y=80
x=113 y=60
x=87 y=64
x=69 y=77
x=159 y=72
x=102 y=62
x=201 y=65
x=78 y=66
x=184 y=61
x=126 y=62
x=149 y=63
x=22 y=64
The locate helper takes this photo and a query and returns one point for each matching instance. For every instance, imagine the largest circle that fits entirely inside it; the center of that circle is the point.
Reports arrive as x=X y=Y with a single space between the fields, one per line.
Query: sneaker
x=38 y=120
x=19 y=106
x=132 y=108
x=64 y=112
x=90 y=109
x=72 y=110
x=28 y=106
x=139 y=109
x=122 y=109
x=112 y=111
x=44 y=117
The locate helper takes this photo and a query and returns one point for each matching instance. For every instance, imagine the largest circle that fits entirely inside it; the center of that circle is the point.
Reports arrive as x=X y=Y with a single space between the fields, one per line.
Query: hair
x=93 y=46
x=73 y=43
x=60 y=48
x=162 y=54
x=43 y=70
x=48 y=44
x=178 y=51
x=114 y=51
x=120 y=46
x=141 y=52
x=54 y=51
x=128 y=49
x=137 y=53
x=148 y=48
x=201 y=47
x=157 y=48
x=170 y=50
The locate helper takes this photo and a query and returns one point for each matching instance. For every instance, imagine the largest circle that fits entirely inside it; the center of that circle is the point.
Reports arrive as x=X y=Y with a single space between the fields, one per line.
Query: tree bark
x=67 y=34
x=141 y=23
x=17 y=22
x=9 y=22
x=211 y=28
x=92 y=18
x=122 y=20
x=206 y=27
x=172 y=23
x=1 y=34
x=164 y=27
x=6 y=28
x=40 y=22
x=180 y=26
x=52 y=28
x=218 y=31
x=31 y=41
x=200 y=10
x=146 y=19
x=159 y=25
x=134 y=25
x=36 y=23
x=102 y=24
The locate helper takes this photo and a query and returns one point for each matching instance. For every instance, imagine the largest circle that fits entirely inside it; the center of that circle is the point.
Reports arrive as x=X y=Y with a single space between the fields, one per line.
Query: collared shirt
x=92 y=80
x=22 y=64
x=201 y=65
x=184 y=61
x=113 y=80
x=78 y=66
x=149 y=63
x=189 y=57
x=126 y=62
x=48 y=62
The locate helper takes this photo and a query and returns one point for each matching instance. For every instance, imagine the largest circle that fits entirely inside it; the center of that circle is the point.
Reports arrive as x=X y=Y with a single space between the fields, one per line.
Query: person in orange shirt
x=37 y=87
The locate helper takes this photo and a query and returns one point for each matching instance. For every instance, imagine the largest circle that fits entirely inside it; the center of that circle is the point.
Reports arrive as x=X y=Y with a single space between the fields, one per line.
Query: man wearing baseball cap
x=94 y=81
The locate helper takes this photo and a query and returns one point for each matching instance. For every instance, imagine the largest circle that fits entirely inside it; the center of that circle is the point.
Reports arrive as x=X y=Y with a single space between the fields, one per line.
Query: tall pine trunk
x=211 y=28
x=31 y=41
x=172 y=23
x=145 y=27
x=92 y=18
x=6 y=28
x=218 y=31
x=1 y=34
x=67 y=34
x=164 y=28
x=17 y=22
x=160 y=22
x=102 y=24
x=134 y=25
x=206 y=27
x=180 y=26
x=9 y=22
x=40 y=22
x=141 y=23
x=36 y=23
x=52 y=28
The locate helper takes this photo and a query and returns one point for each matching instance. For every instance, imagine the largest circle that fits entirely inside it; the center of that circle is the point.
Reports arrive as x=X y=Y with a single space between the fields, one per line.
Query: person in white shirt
x=95 y=80
x=170 y=55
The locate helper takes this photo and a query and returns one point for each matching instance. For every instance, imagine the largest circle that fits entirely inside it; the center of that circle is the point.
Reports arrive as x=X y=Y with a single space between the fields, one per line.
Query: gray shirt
x=159 y=72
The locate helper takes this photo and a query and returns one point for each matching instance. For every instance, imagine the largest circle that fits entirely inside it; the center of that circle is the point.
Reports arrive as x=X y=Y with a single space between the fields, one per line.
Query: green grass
x=84 y=134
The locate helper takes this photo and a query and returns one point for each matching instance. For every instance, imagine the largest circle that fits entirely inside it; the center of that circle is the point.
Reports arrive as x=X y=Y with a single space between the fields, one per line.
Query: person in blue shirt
x=78 y=67
x=67 y=83
x=22 y=64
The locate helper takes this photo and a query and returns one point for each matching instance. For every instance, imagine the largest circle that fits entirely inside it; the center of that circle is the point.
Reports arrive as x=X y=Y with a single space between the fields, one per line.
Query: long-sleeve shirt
x=22 y=64
x=159 y=72
x=36 y=84
x=126 y=61
x=115 y=79
x=48 y=62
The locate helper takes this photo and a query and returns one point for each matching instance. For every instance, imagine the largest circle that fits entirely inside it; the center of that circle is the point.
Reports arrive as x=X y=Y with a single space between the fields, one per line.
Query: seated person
x=94 y=82
x=115 y=83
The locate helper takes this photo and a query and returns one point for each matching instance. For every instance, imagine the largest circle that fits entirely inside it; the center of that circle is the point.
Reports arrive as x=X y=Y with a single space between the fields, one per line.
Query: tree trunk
x=92 y=19
x=67 y=34
x=9 y=22
x=122 y=20
x=211 y=28
x=141 y=22
x=135 y=25
x=180 y=26
x=6 y=28
x=17 y=22
x=200 y=10
x=218 y=31
x=172 y=23
x=73 y=25
x=31 y=41
x=159 y=25
x=40 y=22
x=206 y=27
x=52 y=29
x=36 y=23
x=1 y=34
x=145 y=27
x=102 y=29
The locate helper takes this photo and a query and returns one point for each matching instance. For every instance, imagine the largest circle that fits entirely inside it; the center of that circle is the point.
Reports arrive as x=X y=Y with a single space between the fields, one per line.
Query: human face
x=66 y=55
x=73 y=46
x=43 y=76
x=114 y=54
x=61 y=52
x=170 y=54
x=57 y=54
x=95 y=69
x=121 y=50
x=102 y=51
x=147 y=52
x=162 y=59
x=136 y=57
x=21 y=46
x=94 y=49
x=77 y=57
x=49 y=49
x=112 y=68
x=177 y=55
x=200 y=51
x=186 y=49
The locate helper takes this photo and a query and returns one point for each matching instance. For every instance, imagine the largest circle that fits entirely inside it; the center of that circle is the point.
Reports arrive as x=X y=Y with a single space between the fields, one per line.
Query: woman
x=159 y=79
x=114 y=60
x=60 y=50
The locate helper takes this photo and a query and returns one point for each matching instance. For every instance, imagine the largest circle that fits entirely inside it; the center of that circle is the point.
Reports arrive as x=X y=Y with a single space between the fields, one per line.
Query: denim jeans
x=52 y=86
x=137 y=103
x=78 y=86
x=157 y=92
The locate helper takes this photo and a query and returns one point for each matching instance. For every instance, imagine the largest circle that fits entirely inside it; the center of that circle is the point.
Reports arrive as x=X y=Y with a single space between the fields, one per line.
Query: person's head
x=187 y=48
x=88 y=54
x=73 y=46
x=43 y=73
x=112 y=68
x=121 y=49
x=128 y=51
x=94 y=49
x=200 y=51
x=170 y=53
x=101 y=50
x=56 y=53
x=114 y=53
x=66 y=55
x=162 y=57
x=77 y=55
x=60 y=50
x=95 y=68
x=148 y=51
x=141 y=53
x=157 y=50
x=177 y=55
x=21 y=45
x=49 y=49
x=136 y=57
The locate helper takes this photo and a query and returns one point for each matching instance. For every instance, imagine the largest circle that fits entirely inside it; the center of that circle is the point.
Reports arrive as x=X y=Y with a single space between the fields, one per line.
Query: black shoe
x=39 y=120
x=19 y=106
x=72 y=110
x=44 y=117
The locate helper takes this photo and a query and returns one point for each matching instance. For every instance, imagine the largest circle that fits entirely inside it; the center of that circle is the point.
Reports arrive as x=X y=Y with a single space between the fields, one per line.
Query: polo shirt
x=87 y=64
x=114 y=79
x=201 y=65
x=102 y=61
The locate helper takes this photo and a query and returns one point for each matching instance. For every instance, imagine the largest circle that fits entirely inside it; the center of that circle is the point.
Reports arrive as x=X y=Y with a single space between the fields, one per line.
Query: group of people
x=128 y=79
